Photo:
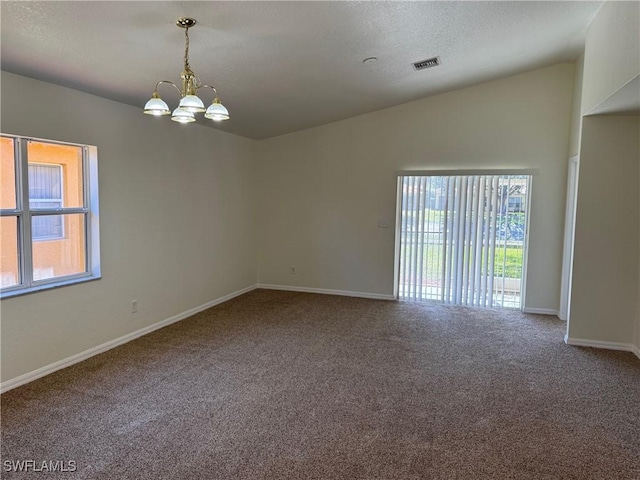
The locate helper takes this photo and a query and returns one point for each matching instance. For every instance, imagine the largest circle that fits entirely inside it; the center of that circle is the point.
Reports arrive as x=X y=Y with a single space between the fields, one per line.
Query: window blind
x=462 y=239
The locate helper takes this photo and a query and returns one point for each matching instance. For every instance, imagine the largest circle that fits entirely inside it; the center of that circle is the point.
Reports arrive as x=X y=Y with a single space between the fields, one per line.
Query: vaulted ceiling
x=286 y=66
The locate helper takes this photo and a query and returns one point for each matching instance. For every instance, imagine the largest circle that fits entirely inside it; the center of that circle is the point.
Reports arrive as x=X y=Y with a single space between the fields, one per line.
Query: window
x=516 y=204
x=462 y=239
x=49 y=228
x=45 y=191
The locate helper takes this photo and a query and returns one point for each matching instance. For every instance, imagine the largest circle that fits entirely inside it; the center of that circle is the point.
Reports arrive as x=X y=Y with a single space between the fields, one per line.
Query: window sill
x=48 y=286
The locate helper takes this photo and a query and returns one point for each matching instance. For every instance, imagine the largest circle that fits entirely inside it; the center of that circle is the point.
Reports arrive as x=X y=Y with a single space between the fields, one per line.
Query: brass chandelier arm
x=210 y=86
x=170 y=83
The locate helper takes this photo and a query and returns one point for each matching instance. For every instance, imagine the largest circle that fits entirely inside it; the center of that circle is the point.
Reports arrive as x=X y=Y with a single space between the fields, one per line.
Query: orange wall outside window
x=8 y=225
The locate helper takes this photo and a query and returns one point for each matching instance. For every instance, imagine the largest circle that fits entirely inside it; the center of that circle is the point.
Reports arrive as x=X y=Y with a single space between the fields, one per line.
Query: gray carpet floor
x=281 y=385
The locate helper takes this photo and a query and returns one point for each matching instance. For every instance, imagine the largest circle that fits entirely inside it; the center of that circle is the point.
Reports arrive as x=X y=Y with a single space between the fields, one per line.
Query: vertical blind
x=462 y=239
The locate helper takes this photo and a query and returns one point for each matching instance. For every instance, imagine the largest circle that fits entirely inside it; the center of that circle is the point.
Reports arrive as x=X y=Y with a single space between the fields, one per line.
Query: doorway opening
x=462 y=239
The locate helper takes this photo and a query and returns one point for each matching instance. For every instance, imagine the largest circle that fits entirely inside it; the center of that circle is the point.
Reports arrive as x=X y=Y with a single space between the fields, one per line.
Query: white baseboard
x=67 y=362
x=540 y=311
x=583 y=342
x=344 y=293
x=635 y=349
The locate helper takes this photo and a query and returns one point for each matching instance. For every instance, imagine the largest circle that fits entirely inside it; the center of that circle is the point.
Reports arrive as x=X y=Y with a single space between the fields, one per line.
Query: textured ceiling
x=286 y=66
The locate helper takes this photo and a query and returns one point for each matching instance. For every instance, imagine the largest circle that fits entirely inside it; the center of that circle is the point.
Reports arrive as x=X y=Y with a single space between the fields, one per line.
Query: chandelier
x=190 y=103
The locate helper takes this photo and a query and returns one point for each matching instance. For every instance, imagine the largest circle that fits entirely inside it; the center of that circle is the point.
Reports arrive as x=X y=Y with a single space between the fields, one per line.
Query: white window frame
x=24 y=215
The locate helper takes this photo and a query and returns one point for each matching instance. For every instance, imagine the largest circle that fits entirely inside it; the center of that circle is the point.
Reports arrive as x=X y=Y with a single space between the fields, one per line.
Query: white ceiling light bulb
x=156 y=106
x=216 y=111
x=191 y=103
x=181 y=115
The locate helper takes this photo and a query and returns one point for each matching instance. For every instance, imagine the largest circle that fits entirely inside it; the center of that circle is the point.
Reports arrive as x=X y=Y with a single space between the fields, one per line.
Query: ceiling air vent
x=428 y=63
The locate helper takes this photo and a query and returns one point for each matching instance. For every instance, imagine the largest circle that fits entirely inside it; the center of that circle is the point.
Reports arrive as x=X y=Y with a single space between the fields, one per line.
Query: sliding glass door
x=462 y=239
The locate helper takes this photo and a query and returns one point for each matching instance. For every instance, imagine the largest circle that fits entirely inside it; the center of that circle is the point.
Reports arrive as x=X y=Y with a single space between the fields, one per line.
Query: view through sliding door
x=462 y=239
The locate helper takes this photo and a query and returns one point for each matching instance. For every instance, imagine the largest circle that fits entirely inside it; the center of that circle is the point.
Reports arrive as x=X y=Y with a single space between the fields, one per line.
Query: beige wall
x=176 y=214
x=612 y=51
x=319 y=195
x=576 y=108
x=604 y=299
x=323 y=190
x=637 y=327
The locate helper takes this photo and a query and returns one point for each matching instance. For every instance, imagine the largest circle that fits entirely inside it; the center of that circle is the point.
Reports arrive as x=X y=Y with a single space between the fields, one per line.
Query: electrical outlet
x=134 y=306
x=383 y=224
x=292 y=270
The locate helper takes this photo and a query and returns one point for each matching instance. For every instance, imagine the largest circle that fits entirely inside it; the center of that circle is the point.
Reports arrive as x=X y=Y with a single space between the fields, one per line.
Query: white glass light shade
x=217 y=112
x=182 y=116
x=156 y=106
x=191 y=103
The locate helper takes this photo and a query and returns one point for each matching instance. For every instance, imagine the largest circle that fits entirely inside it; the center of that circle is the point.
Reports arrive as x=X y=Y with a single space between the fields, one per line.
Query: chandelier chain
x=186 y=50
